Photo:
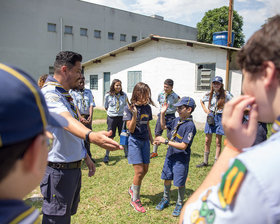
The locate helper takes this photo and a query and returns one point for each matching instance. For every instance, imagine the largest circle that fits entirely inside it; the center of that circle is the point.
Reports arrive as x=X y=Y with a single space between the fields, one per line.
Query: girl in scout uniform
x=216 y=99
x=115 y=101
x=137 y=115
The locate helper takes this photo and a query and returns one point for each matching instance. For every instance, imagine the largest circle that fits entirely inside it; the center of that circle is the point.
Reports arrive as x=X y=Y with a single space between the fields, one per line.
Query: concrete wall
x=25 y=41
x=159 y=61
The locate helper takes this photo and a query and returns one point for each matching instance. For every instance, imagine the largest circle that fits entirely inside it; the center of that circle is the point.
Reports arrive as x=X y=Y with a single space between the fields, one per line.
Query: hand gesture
x=164 y=108
x=133 y=109
x=102 y=139
x=158 y=140
x=238 y=134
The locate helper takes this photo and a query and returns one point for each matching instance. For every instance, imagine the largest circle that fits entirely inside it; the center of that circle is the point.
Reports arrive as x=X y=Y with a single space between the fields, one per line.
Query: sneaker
x=202 y=165
x=137 y=206
x=163 y=204
x=106 y=159
x=177 y=210
x=153 y=155
x=130 y=191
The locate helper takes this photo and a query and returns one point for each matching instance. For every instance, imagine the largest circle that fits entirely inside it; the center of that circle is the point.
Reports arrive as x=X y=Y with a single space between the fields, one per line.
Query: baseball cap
x=23 y=111
x=218 y=79
x=186 y=101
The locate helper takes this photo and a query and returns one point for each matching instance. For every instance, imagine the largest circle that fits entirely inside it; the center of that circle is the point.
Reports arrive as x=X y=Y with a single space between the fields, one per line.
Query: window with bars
x=51 y=27
x=93 y=82
x=68 y=29
x=133 y=77
x=97 y=33
x=83 y=31
x=110 y=36
x=122 y=37
x=133 y=38
x=205 y=73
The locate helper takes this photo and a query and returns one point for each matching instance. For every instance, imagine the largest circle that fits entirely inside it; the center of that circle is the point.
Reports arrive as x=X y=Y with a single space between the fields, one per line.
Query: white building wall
x=158 y=61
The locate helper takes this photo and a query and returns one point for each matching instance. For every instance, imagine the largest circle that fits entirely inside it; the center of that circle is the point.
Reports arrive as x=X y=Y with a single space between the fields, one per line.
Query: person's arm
x=204 y=107
x=150 y=133
x=239 y=136
x=99 y=138
x=177 y=145
x=90 y=114
x=162 y=116
x=131 y=124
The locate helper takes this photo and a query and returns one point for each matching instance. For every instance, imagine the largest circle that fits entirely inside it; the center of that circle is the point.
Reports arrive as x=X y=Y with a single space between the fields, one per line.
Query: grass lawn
x=105 y=198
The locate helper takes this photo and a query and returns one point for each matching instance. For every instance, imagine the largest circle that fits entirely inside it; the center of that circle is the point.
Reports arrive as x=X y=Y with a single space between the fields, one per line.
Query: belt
x=72 y=165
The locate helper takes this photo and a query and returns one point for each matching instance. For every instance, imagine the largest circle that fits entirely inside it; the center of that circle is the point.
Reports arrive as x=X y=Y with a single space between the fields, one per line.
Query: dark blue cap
x=218 y=79
x=186 y=101
x=23 y=111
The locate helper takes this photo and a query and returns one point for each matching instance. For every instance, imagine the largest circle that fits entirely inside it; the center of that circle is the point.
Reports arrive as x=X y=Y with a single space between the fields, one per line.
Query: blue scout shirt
x=249 y=191
x=16 y=211
x=115 y=104
x=144 y=114
x=171 y=99
x=185 y=133
x=66 y=147
x=83 y=99
x=229 y=96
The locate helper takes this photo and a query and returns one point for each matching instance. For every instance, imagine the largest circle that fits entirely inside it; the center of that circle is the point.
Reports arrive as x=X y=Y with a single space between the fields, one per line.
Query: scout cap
x=186 y=101
x=23 y=111
x=218 y=79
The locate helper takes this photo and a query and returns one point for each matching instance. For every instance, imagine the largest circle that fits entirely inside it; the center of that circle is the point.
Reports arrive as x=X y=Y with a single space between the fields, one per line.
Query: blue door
x=106 y=86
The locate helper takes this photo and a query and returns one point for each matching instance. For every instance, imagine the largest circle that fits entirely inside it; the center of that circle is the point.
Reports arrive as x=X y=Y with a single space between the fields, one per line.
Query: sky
x=190 y=12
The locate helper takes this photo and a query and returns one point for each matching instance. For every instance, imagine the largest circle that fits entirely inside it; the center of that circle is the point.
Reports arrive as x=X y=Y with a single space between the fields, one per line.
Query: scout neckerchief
x=66 y=94
x=174 y=132
x=276 y=125
x=118 y=95
x=216 y=104
x=166 y=95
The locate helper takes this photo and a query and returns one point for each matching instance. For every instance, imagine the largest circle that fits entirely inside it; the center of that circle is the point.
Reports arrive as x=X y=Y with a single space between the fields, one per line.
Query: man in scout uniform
x=62 y=181
x=24 y=118
x=170 y=97
x=249 y=190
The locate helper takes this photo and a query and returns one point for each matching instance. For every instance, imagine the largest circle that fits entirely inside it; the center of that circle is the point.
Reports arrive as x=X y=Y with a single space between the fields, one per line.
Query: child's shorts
x=168 y=119
x=175 y=170
x=138 y=151
x=216 y=128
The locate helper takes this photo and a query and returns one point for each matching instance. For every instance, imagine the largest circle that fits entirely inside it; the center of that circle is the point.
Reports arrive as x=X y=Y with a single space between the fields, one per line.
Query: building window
x=51 y=70
x=51 y=27
x=133 y=77
x=83 y=32
x=133 y=38
x=97 y=33
x=122 y=37
x=110 y=36
x=93 y=82
x=205 y=73
x=68 y=30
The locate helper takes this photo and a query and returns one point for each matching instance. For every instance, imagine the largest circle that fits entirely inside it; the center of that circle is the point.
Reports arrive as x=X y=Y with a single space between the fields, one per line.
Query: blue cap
x=186 y=101
x=23 y=111
x=218 y=79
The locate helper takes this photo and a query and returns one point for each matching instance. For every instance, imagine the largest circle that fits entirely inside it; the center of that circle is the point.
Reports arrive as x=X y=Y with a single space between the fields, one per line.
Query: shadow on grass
x=113 y=160
x=194 y=154
x=155 y=199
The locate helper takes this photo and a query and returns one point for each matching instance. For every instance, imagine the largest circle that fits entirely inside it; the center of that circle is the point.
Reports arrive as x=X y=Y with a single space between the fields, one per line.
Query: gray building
x=34 y=31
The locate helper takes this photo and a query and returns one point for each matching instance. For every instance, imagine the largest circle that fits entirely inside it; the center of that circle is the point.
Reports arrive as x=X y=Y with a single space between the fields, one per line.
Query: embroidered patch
x=231 y=182
x=190 y=136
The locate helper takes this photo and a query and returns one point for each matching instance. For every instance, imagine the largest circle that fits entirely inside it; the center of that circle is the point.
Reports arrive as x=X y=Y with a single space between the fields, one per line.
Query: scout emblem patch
x=231 y=182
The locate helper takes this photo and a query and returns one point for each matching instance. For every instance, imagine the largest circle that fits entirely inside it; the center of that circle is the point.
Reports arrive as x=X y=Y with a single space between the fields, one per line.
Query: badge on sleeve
x=231 y=182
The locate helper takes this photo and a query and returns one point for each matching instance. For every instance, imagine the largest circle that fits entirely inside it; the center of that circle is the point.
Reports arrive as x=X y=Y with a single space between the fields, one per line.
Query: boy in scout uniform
x=24 y=117
x=249 y=190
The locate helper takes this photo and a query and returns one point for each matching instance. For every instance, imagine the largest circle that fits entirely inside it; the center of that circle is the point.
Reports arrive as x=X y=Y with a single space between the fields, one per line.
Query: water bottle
x=124 y=137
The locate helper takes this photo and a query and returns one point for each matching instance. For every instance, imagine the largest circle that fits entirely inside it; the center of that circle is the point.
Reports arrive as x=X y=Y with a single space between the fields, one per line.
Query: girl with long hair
x=216 y=99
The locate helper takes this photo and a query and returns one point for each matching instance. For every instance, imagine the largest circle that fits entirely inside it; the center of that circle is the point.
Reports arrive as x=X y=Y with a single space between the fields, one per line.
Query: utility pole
x=229 y=41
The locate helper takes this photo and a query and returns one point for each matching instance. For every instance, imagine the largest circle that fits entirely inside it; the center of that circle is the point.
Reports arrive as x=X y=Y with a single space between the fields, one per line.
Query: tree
x=216 y=20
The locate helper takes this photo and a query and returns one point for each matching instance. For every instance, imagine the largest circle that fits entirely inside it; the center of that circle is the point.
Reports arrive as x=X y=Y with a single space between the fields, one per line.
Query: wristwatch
x=166 y=142
x=87 y=137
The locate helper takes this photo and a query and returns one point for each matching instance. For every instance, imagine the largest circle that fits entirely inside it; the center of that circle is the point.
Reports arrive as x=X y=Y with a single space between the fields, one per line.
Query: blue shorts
x=138 y=151
x=61 y=191
x=175 y=170
x=114 y=123
x=217 y=128
x=168 y=119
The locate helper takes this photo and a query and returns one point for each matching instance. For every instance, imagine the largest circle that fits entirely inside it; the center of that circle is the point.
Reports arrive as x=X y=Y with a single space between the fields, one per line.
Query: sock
x=136 y=192
x=206 y=155
x=125 y=150
x=166 y=192
x=107 y=153
x=181 y=193
x=155 y=148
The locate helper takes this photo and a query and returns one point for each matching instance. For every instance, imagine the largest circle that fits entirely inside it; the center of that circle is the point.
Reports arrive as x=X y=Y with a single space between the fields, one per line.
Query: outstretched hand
x=158 y=140
x=164 y=107
x=238 y=134
x=102 y=139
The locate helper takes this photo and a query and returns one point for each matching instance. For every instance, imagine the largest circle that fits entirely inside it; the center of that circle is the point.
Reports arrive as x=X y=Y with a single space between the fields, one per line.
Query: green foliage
x=216 y=20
